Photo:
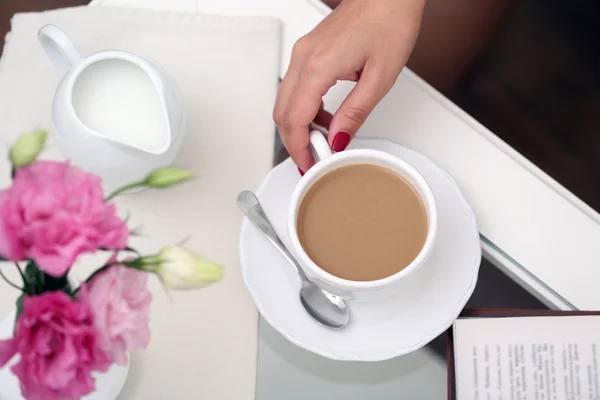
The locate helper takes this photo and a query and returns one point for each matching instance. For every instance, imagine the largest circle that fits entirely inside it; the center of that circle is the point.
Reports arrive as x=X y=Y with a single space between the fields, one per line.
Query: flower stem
x=9 y=282
x=95 y=273
x=146 y=263
x=21 y=273
x=124 y=189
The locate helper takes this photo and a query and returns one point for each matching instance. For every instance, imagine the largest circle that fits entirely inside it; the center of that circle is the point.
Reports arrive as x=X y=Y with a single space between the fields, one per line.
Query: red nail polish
x=341 y=141
x=301 y=173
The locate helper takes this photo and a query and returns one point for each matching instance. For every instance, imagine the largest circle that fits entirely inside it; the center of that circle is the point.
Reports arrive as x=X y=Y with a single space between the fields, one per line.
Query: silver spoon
x=324 y=307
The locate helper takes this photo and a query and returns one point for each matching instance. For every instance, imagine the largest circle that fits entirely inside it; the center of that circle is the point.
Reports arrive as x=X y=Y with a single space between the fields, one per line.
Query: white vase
x=108 y=384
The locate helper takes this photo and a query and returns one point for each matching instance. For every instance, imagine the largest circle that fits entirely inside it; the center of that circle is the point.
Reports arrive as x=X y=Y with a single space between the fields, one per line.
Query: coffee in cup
x=362 y=222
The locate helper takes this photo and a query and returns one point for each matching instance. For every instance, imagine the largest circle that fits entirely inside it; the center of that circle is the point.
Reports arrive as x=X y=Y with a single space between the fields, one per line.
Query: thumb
x=355 y=109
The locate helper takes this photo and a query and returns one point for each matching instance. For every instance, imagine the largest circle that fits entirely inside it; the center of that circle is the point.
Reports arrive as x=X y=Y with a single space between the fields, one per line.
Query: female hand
x=365 y=41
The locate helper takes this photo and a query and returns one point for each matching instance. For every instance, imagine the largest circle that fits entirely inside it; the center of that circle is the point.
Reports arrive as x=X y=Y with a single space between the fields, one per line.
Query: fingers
x=370 y=89
x=323 y=118
x=297 y=107
x=283 y=117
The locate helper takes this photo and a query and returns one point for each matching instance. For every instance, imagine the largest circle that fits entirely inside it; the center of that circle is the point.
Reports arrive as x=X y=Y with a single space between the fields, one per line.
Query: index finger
x=296 y=116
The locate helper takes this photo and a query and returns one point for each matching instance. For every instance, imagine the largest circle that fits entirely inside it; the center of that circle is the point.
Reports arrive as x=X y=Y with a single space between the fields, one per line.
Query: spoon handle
x=250 y=206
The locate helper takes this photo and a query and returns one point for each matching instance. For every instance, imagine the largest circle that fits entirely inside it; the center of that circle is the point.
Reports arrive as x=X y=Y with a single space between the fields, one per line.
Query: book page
x=527 y=358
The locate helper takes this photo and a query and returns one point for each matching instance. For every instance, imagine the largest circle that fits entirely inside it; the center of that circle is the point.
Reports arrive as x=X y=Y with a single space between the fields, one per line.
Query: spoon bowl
x=327 y=309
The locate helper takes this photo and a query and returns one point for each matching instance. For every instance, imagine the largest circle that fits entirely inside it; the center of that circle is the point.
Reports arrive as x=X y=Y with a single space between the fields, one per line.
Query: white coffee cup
x=327 y=161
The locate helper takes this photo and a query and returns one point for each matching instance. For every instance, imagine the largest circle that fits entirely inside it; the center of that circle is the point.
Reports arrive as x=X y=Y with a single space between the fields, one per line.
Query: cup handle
x=319 y=146
x=58 y=47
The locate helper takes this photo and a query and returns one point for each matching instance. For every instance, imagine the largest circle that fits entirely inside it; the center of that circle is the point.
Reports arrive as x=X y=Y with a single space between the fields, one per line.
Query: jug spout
x=59 y=48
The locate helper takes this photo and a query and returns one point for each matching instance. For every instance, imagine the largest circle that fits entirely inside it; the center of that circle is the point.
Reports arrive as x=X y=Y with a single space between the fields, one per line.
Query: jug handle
x=58 y=47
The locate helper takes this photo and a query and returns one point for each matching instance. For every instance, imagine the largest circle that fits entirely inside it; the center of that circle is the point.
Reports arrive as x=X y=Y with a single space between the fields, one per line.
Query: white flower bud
x=181 y=268
x=165 y=177
x=27 y=148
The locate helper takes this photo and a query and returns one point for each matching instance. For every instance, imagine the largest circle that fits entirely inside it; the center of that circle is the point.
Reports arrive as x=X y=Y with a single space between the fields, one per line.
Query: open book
x=500 y=354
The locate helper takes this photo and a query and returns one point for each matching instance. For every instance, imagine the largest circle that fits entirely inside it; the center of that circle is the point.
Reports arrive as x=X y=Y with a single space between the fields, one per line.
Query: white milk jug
x=116 y=114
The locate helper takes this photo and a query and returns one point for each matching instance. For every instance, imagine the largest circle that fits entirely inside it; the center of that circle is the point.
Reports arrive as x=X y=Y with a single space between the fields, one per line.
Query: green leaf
x=52 y=283
x=19 y=310
x=35 y=279
x=38 y=282
x=20 y=305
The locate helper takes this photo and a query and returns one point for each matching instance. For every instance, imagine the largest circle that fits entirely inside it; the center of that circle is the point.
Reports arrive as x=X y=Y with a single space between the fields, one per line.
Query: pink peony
x=59 y=348
x=53 y=213
x=120 y=301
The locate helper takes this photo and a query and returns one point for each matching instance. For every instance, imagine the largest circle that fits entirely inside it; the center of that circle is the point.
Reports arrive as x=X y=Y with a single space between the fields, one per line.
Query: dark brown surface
x=9 y=7
x=537 y=86
x=453 y=33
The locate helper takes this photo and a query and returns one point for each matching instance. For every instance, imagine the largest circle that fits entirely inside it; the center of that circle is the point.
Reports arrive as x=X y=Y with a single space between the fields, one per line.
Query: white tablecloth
x=204 y=343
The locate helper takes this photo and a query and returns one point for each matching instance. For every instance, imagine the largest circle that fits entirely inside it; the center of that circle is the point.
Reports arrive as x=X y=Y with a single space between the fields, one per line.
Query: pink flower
x=53 y=213
x=58 y=344
x=120 y=301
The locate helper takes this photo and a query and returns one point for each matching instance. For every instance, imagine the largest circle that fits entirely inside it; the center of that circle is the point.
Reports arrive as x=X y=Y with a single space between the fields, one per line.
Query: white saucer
x=108 y=384
x=431 y=299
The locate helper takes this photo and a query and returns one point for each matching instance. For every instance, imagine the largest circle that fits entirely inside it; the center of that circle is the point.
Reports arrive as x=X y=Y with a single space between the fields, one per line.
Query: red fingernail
x=301 y=173
x=340 y=141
